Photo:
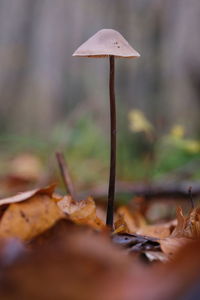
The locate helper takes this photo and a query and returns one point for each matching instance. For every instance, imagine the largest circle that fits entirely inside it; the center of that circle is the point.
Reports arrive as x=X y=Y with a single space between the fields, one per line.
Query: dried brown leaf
x=179 y=229
x=121 y=226
x=135 y=223
x=81 y=212
x=87 y=266
x=187 y=226
x=171 y=245
x=130 y=221
x=27 y=219
x=158 y=231
x=192 y=224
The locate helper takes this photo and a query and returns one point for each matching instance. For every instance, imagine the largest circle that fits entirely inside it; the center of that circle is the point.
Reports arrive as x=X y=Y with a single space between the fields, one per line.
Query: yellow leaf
x=177 y=131
x=138 y=122
x=192 y=146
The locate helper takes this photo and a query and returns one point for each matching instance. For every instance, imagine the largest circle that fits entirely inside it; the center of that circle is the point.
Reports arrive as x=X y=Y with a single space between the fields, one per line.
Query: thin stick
x=191 y=198
x=111 y=190
x=152 y=191
x=64 y=171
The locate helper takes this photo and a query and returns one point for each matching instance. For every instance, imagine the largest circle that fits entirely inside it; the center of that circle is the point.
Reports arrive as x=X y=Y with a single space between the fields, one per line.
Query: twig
x=65 y=174
x=190 y=196
x=156 y=190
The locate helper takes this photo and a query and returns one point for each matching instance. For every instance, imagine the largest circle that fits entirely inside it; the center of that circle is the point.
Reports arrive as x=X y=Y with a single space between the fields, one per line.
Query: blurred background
x=52 y=101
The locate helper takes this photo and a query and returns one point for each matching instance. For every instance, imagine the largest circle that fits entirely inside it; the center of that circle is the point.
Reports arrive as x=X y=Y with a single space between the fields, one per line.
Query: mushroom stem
x=111 y=190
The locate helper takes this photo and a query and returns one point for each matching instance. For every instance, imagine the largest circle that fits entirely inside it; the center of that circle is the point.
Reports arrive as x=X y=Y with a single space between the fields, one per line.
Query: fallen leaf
x=178 y=231
x=26 y=195
x=87 y=266
x=121 y=226
x=187 y=226
x=81 y=212
x=27 y=219
x=130 y=221
x=192 y=224
x=60 y=229
x=171 y=245
x=79 y=265
x=135 y=223
x=159 y=231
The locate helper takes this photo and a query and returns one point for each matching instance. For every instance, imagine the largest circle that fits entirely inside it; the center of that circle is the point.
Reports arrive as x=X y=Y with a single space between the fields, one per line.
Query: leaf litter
x=64 y=242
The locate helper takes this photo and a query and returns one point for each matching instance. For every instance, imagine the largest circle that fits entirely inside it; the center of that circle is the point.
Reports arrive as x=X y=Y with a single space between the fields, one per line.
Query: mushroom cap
x=106 y=42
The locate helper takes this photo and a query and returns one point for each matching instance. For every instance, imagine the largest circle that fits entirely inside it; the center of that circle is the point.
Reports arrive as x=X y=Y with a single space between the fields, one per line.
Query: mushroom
x=109 y=43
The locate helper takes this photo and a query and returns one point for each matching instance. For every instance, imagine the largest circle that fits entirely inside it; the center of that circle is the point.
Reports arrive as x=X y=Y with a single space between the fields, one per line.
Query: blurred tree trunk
x=181 y=62
x=40 y=82
x=14 y=36
x=43 y=87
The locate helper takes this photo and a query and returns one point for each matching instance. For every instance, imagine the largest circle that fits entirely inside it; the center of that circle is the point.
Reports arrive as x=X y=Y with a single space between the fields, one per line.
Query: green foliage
x=140 y=154
x=167 y=153
x=172 y=153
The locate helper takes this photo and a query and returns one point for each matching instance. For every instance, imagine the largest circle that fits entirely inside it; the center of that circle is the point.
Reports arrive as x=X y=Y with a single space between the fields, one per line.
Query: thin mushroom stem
x=111 y=190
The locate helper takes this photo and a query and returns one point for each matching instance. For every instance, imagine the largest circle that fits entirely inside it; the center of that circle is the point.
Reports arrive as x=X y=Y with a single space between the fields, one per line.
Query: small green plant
x=167 y=153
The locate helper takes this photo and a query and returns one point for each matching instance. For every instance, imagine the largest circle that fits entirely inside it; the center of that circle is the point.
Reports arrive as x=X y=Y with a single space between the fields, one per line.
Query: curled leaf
x=130 y=221
x=121 y=226
x=82 y=212
x=188 y=226
x=26 y=195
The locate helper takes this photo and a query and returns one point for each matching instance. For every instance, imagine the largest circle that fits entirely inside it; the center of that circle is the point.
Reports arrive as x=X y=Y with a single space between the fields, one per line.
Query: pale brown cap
x=106 y=42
